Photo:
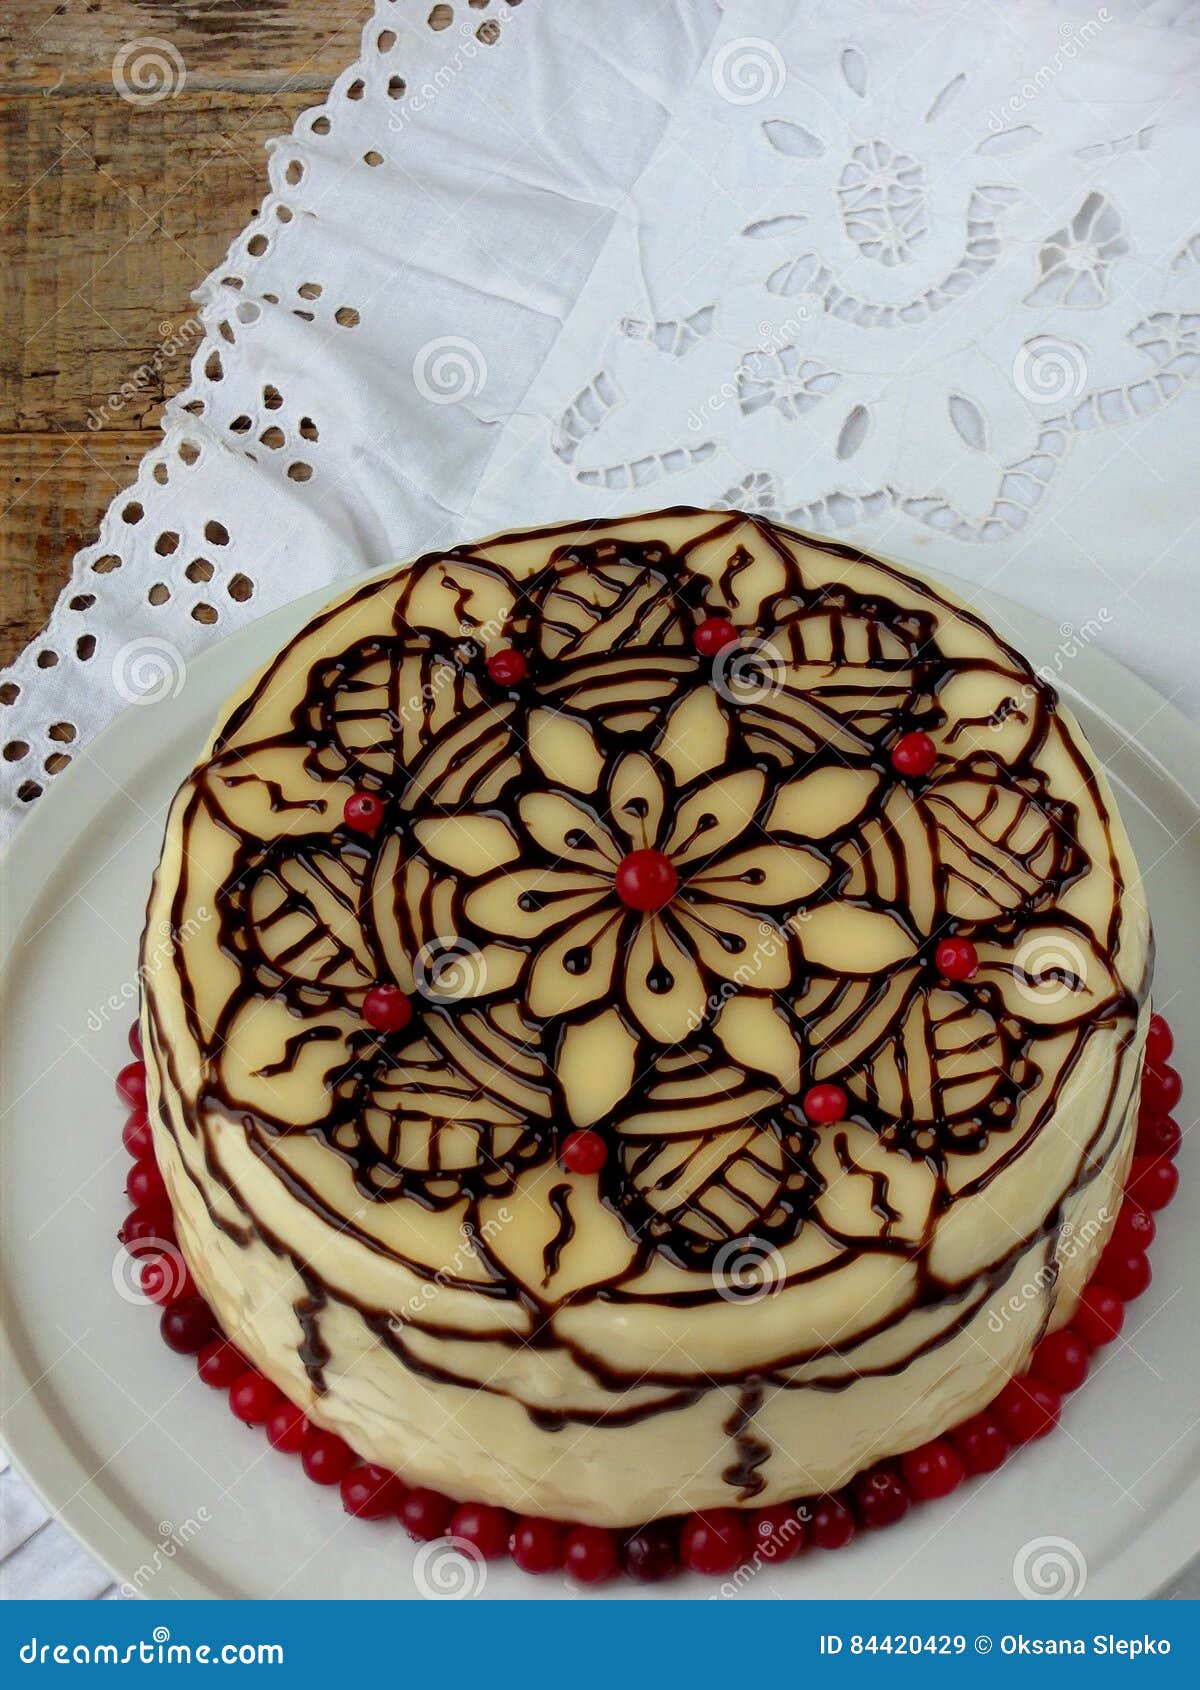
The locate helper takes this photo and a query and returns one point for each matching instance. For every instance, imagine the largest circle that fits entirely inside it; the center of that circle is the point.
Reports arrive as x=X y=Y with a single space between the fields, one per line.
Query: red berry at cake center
x=647 y=881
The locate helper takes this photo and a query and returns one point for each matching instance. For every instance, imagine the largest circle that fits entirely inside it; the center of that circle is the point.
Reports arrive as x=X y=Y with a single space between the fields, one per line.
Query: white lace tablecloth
x=926 y=276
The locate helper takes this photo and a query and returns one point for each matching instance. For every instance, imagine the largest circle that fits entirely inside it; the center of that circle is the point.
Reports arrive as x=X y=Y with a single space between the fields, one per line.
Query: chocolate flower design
x=684 y=894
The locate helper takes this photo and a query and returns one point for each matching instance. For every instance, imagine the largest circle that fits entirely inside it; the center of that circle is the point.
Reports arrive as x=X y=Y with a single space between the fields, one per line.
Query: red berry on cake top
x=957 y=959
x=508 y=668
x=914 y=754
x=387 y=1009
x=363 y=811
x=715 y=635
x=647 y=881
x=824 y=1104
x=583 y=1152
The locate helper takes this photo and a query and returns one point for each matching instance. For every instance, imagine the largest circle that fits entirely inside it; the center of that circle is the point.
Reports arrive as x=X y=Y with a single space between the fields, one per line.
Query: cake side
x=742 y=1302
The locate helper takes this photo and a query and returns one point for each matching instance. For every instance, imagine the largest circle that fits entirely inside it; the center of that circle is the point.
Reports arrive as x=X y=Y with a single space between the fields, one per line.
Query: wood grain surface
x=113 y=211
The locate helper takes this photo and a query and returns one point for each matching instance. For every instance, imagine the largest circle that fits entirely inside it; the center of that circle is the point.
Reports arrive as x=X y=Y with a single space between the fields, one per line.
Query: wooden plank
x=253 y=44
x=56 y=488
x=112 y=220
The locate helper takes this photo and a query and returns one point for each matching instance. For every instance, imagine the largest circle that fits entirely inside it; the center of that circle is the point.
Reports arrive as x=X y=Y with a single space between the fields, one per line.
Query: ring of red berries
x=715 y=1541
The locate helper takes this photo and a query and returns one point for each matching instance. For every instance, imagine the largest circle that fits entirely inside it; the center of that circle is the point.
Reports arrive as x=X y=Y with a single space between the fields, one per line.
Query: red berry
x=957 y=959
x=165 y=1278
x=254 y=1399
x=537 y=1545
x=363 y=811
x=325 y=1458
x=1152 y=1182
x=387 y=1009
x=508 y=668
x=1158 y=1135
x=131 y=1084
x=1160 y=1042
x=144 y=1183
x=220 y=1363
x=149 y=1223
x=832 y=1524
x=914 y=754
x=1125 y=1271
x=583 y=1153
x=880 y=1496
x=486 y=1528
x=425 y=1514
x=590 y=1554
x=187 y=1325
x=646 y=881
x=1099 y=1317
x=714 y=1542
x=1061 y=1360
x=1135 y=1228
x=981 y=1442
x=1161 y=1090
x=287 y=1428
x=713 y=635
x=135 y=1038
x=1027 y=1409
x=935 y=1469
x=776 y=1534
x=652 y=1553
x=370 y=1492
x=824 y=1103
x=136 y=1135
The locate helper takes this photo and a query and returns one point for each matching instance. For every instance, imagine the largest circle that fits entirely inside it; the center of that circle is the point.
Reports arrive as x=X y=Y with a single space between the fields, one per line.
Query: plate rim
x=38 y=1447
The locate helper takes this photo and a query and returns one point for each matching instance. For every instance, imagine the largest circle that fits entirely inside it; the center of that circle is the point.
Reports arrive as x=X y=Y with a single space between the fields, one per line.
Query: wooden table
x=113 y=212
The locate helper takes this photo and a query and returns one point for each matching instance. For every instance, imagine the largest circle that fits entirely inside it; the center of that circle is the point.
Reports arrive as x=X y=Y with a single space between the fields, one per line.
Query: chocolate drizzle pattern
x=685 y=1037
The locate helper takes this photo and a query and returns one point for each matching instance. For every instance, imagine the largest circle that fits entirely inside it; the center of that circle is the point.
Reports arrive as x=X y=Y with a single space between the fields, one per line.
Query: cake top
x=759 y=863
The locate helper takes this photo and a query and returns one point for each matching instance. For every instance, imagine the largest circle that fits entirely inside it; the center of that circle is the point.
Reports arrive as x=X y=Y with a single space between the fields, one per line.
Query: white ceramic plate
x=148 y=1468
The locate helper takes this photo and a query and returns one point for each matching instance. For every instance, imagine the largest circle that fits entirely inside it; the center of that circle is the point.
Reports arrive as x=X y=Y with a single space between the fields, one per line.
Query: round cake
x=643 y=1016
